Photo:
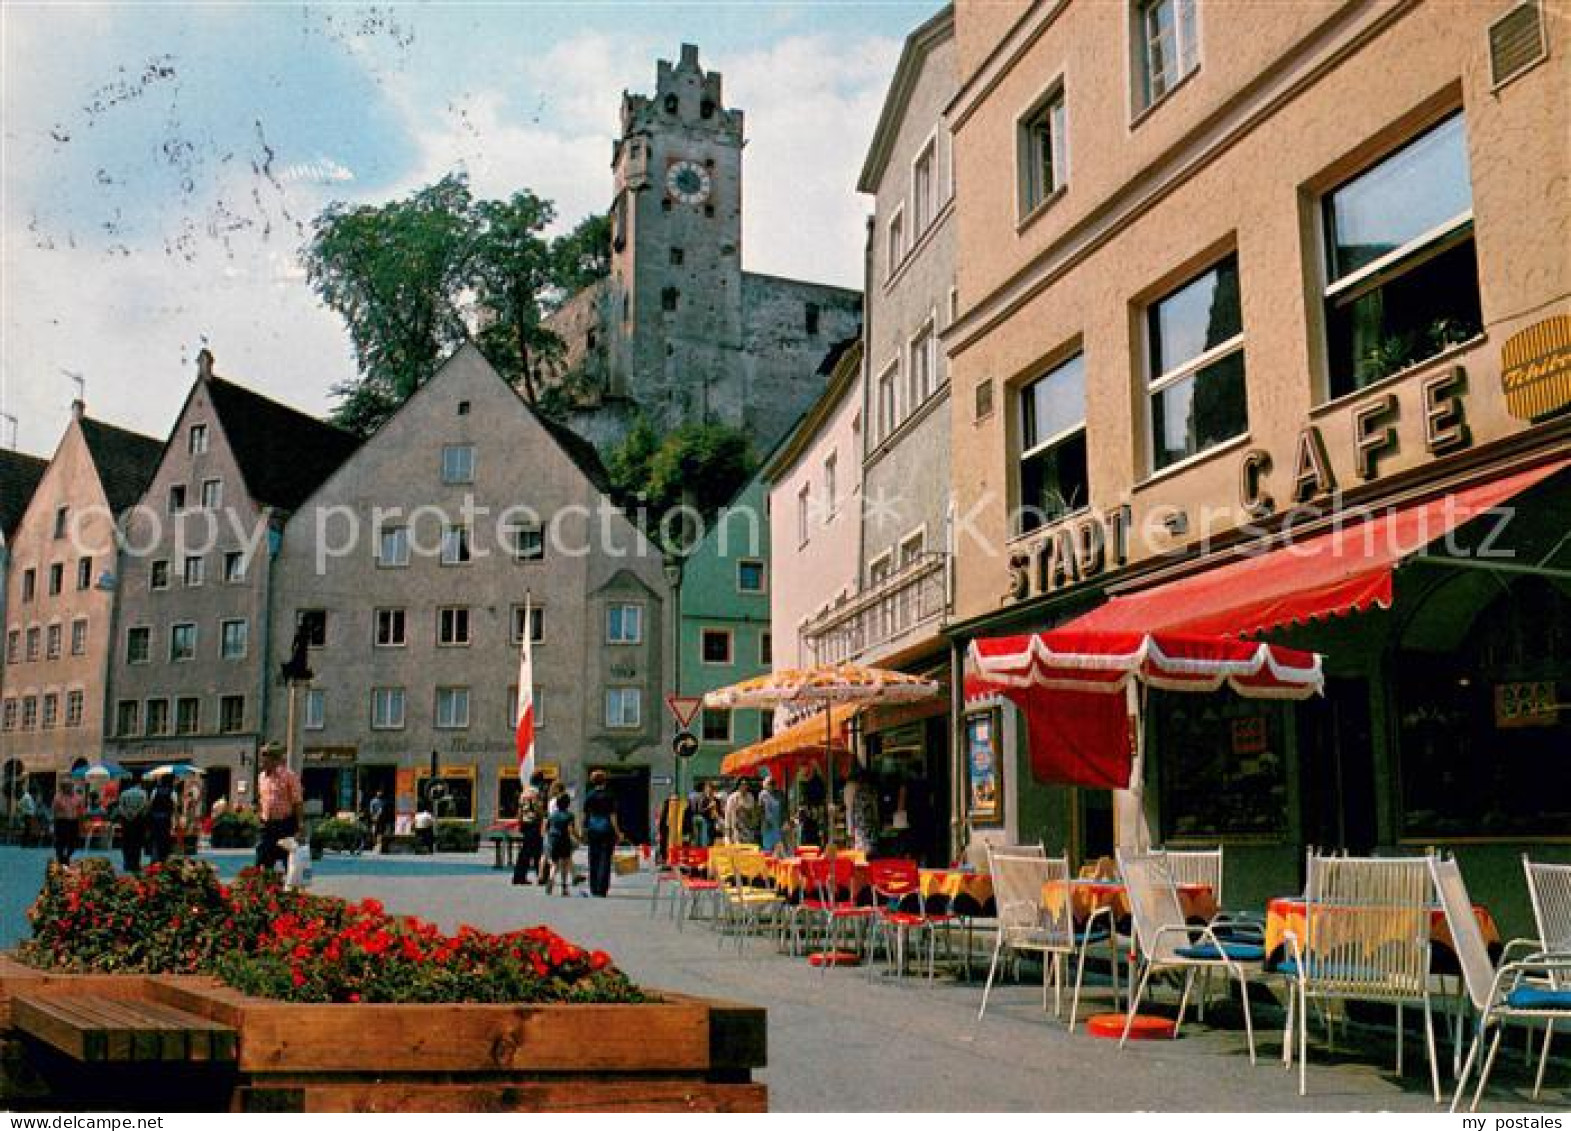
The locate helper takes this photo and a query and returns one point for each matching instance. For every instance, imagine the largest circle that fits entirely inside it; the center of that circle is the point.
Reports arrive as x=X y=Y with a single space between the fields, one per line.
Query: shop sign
x=330 y=755
x=1531 y=704
x=1071 y=553
x=986 y=801
x=1535 y=369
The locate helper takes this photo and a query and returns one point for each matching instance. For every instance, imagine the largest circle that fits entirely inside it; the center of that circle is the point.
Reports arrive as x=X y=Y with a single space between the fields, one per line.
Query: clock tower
x=674 y=304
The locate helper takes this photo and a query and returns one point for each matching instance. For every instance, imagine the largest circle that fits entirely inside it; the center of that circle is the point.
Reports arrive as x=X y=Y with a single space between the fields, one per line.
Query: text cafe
x=1439 y=594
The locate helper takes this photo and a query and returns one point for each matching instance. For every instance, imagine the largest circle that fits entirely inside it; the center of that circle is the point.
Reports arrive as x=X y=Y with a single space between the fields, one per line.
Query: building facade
x=679 y=331
x=410 y=571
x=189 y=674
x=815 y=498
x=726 y=633
x=60 y=598
x=1289 y=268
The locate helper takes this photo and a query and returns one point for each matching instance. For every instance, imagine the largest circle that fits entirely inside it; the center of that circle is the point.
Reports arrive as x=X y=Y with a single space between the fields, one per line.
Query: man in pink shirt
x=279 y=804
x=67 y=809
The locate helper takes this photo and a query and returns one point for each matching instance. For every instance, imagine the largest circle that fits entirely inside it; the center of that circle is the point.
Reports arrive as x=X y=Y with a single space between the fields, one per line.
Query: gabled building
x=188 y=680
x=60 y=596
x=410 y=570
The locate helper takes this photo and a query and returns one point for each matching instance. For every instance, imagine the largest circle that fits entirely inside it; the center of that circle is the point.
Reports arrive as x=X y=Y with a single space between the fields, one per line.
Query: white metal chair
x=1166 y=942
x=1197 y=866
x=1549 y=888
x=1513 y=992
x=1366 y=938
x=1036 y=912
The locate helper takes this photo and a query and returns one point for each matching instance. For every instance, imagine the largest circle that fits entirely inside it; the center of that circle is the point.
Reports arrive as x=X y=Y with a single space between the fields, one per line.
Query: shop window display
x=1222 y=762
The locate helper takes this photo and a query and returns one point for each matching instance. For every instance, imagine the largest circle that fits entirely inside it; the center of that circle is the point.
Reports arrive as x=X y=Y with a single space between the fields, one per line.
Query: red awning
x=1341 y=571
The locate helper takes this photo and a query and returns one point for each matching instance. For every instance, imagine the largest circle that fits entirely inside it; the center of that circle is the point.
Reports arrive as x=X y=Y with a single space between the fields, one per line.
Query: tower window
x=706 y=109
x=590 y=339
x=668 y=298
x=676 y=257
x=463 y=408
x=665 y=204
x=670 y=104
x=812 y=317
x=709 y=210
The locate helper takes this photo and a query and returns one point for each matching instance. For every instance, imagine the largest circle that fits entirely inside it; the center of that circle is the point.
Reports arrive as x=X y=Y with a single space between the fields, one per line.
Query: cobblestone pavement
x=837 y=1042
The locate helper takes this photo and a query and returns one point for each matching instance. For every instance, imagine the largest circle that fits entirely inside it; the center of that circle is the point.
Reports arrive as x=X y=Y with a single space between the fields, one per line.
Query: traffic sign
x=684 y=709
x=685 y=744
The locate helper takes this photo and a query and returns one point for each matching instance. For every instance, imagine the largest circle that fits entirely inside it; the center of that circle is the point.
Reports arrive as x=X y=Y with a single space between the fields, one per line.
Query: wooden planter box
x=681 y=1054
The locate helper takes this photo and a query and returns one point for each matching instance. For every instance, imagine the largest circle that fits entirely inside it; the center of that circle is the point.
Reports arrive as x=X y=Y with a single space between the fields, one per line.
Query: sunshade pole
x=829 y=774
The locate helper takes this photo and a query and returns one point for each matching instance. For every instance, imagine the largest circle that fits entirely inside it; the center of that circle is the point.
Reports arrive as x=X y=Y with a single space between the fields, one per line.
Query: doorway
x=630 y=786
x=1336 y=770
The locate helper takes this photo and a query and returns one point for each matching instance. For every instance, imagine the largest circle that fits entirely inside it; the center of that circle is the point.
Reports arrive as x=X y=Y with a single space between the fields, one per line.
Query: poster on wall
x=986 y=804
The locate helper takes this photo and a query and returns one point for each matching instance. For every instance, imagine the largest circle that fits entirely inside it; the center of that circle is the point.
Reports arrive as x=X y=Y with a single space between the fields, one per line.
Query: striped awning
x=799 y=743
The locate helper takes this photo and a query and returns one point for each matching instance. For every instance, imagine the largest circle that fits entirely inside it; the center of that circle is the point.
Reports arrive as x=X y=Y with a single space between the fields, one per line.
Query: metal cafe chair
x=1514 y=991
x=1165 y=941
x=899 y=911
x=1366 y=938
x=1036 y=913
x=1549 y=888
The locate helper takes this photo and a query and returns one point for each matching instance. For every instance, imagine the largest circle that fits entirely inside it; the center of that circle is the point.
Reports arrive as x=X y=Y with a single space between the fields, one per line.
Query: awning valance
x=1344 y=570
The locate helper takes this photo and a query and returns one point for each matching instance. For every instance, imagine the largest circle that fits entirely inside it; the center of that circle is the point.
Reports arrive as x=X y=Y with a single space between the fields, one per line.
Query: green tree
x=700 y=465
x=628 y=465
x=393 y=273
x=410 y=276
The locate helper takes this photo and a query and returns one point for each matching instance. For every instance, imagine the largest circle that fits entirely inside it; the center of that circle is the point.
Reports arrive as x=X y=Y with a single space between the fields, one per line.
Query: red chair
x=828 y=884
x=897 y=899
x=694 y=882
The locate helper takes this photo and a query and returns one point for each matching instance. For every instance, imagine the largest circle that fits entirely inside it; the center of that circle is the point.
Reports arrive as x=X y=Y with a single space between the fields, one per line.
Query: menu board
x=986 y=805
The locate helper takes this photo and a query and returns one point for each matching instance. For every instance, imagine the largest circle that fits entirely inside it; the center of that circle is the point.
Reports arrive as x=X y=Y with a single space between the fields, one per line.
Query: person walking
x=771 y=816
x=161 y=818
x=131 y=812
x=279 y=802
x=531 y=837
x=28 y=808
x=602 y=831
x=374 y=811
x=561 y=835
x=67 y=811
x=741 y=814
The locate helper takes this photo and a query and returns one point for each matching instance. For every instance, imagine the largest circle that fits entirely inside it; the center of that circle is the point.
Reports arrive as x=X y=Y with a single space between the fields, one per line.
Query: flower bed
x=177 y=918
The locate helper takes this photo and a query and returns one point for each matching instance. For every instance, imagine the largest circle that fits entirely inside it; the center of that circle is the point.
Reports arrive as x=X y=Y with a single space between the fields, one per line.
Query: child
x=561 y=836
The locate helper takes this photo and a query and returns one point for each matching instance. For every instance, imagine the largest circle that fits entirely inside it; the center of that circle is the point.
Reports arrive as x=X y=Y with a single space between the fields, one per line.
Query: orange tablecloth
x=1287 y=914
x=1197 y=900
x=957 y=892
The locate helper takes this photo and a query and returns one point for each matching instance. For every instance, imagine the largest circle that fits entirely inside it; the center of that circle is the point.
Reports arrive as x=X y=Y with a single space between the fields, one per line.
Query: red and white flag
x=524 y=727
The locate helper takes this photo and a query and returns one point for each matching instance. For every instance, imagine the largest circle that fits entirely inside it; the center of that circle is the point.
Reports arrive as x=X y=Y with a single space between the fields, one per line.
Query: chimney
x=204 y=365
x=78 y=408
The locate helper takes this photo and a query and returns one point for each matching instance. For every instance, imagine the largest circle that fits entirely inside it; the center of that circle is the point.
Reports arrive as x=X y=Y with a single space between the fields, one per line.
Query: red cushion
x=700 y=885
x=904 y=918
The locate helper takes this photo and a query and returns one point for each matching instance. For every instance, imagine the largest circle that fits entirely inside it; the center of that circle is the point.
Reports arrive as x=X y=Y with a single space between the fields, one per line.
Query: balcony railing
x=881 y=615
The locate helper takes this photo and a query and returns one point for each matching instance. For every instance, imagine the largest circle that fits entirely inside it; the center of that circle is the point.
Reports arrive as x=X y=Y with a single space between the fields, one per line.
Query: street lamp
x=674 y=563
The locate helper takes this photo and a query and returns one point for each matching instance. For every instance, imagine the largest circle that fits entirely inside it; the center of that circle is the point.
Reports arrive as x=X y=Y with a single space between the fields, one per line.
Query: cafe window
x=1195 y=342
x=1222 y=762
x=1053 y=475
x=453 y=799
x=1482 y=729
x=1401 y=267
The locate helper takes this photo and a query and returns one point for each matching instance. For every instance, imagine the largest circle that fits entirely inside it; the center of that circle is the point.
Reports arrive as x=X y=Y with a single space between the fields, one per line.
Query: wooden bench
x=92 y=1028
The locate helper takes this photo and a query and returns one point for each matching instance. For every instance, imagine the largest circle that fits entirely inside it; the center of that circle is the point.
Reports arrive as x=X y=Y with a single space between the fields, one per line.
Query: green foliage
x=409 y=276
x=336 y=835
x=456 y=836
x=178 y=919
x=700 y=465
x=236 y=828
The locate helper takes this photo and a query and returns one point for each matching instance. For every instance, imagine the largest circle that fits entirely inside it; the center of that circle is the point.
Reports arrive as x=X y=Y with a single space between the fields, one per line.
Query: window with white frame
x=158 y=574
x=923 y=191
x=84 y=574
x=896 y=239
x=30 y=712
x=1053 y=470
x=34 y=638
x=886 y=406
x=11 y=715
x=831 y=484
x=1401 y=266
x=128 y=716
x=75 y=704
x=176 y=498
x=52 y=642
x=157 y=717
x=526 y=541
x=803 y=510
x=393 y=547
x=624 y=624
x=212 y=494
x=182 y=642
x=455 y=545
x=233 y=639
x=138 y=644
x=920 y=384
x=452 y=626
x=912 y=546
x=1044 y=150
x=79 y=636
x=536 y=624
x=188 y=715
x=234 y=567
x=458 y=463
x=196 y=444
x=51 y=710
x=193 y=570
x=624 y=708
x=390 y=628
x=1195 y=344
x=314 y=709
x=452 y=708
x=1167 y=46
x=387 y=708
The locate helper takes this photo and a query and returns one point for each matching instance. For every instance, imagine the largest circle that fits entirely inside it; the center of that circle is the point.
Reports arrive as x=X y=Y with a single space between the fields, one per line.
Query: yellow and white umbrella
x=823 y=687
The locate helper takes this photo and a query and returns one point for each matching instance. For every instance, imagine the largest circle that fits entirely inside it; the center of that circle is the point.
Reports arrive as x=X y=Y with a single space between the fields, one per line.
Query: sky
x=160 y=164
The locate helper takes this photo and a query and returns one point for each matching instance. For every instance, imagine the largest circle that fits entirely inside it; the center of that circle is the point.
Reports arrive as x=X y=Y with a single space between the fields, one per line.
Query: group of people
x=744 y=815
x=146 y=819
x=549 y=832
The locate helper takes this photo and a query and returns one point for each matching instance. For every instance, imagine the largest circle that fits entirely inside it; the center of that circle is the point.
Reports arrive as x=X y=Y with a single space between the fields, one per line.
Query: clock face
x=688 y=181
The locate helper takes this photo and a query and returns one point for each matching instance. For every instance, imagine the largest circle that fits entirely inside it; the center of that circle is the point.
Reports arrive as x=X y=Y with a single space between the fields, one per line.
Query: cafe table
x=1287 y=913
x=1088 y=896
